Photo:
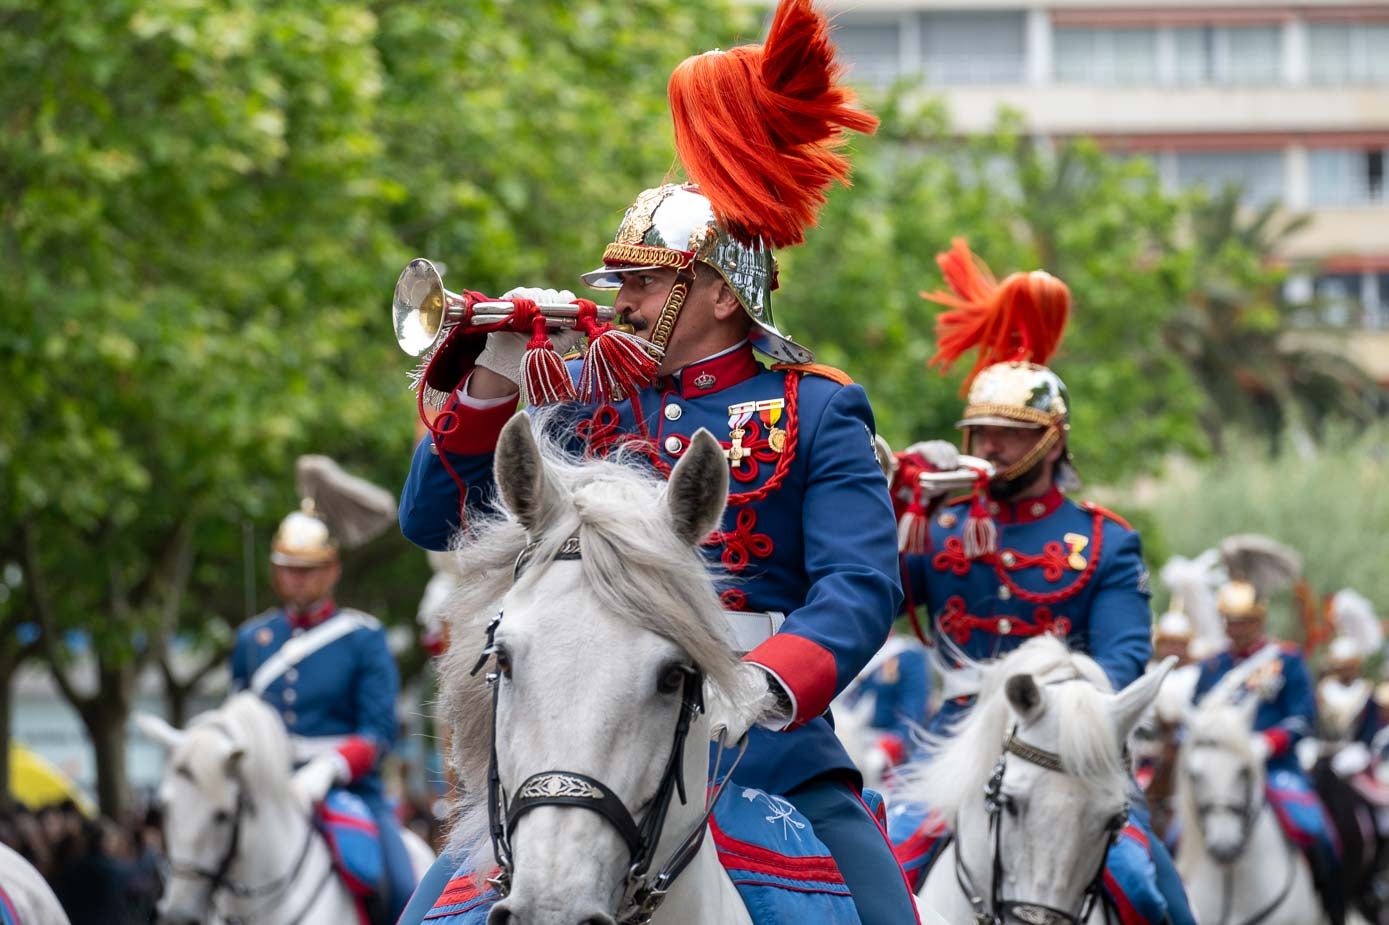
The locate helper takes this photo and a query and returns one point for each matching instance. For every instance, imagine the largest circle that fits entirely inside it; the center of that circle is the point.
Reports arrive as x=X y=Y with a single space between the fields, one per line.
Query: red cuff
x=806 y=668
x=473 y=431
x=893 y=746
x=360 y=755
x=1278 y=740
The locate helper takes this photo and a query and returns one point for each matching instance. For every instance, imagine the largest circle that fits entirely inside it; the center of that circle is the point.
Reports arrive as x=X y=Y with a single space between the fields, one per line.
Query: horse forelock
x=248 y=723
x=963 y=759
x=1221 y=725
x=633 y=565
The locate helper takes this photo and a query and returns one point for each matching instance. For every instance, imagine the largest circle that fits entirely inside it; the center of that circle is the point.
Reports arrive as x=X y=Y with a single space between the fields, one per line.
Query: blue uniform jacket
x=1061 y=567
x=344 y=693
x=808 y=531
x=900 y=688
x=1287 y=702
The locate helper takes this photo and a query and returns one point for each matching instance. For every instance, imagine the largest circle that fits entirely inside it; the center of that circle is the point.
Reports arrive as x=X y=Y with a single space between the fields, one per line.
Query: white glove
x=313 y=781
x=506 y=350
x=941 y=454
x=1351 y=760
x=753 y=703
x=1261 y=747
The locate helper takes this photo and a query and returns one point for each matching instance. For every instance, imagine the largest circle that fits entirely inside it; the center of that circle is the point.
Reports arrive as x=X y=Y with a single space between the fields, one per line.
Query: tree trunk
x=105 y=719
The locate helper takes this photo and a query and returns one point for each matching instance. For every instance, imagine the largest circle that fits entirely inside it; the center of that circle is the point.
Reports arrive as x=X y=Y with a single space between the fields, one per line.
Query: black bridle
x=642 y=894
x=993 y=910
x=218 y=877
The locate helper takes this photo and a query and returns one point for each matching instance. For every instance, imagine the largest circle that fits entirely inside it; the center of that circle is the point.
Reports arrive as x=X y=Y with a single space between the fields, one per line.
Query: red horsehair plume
x=1020 y=319
x=757 y=127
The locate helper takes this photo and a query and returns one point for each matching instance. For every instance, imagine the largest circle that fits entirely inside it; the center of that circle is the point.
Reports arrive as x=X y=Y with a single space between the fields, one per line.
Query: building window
x=1347 y=177
x=1341 y=53
x=1259 y=174
x=872 y=51
x=1104 y=56
x=1228 y=55
x=973 y=48
x=1337 y=300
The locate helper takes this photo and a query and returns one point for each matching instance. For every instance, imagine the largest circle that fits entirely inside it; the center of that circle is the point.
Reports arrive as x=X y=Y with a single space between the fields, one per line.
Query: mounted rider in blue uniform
x=328 y=673
x=1015 y=557
x=1287 y=712
x=807 y=544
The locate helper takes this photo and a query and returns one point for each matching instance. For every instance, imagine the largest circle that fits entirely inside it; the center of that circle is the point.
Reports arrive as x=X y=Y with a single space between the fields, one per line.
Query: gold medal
x=1077 y=544
x=776 y=439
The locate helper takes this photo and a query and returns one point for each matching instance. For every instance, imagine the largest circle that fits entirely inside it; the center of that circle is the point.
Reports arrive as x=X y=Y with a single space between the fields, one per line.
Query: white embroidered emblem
x=781 y=811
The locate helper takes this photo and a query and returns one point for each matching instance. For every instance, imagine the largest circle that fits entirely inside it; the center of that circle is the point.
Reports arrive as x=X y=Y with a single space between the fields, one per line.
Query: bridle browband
x=642 y=894
x=993 y=910
x=218 y=877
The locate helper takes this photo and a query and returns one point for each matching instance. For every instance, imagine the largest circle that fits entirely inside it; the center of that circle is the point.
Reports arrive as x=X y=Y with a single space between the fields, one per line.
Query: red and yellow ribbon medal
x=769 y=413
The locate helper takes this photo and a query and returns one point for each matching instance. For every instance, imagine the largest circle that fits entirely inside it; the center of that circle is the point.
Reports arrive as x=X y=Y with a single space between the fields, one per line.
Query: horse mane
x=632 y=562
x=256 y=727
x=963 y=760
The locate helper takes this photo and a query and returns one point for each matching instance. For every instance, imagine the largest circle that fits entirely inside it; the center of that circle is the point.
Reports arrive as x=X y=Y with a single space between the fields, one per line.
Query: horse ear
x=158 y=731
x=1025 y=696
x=1129 y=704
x=698 y=489
x=525 y=486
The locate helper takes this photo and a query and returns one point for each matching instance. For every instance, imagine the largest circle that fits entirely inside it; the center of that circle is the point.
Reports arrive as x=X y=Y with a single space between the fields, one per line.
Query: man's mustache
x=636 y=323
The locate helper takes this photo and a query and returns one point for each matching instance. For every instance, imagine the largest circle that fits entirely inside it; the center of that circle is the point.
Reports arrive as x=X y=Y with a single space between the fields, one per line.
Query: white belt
x=749 y=629
x=306 y=748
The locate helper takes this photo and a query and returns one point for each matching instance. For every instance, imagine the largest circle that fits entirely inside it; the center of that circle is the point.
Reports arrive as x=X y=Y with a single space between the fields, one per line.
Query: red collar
x=1028 y=509
x=714 y=374
x=311 y=616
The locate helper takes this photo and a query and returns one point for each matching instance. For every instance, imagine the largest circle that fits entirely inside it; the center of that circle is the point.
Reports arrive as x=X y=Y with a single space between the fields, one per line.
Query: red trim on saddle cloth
x=880 y=819
x=807 y=668
x=347 y=821
x=1128 y=915
x=725 y=370
x=740 y=855
x=360 y=754
x=471 y=431
x=960 y=626
x=1279 y=741
x=457 y=895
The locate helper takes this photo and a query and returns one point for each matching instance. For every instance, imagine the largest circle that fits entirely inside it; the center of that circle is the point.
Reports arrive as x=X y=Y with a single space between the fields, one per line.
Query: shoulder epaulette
x=816 y=369
x=1094 y=508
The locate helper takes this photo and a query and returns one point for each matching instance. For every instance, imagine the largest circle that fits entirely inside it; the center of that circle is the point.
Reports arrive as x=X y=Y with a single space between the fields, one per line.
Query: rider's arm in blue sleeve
x=1297 y=704
x=374 y=697
x=850 y=559
x=914 y=688
x=429 y=510
x=1121 y=632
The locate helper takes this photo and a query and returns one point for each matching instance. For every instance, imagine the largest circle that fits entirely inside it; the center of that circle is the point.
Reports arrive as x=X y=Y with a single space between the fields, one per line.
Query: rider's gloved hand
x=506 y=350
x=759 y=700
x=1261 y=747
x=313 y=781
x=940 y=455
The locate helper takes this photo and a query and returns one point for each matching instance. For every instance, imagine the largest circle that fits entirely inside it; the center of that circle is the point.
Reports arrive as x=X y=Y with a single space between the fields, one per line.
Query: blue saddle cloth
x=8 y=915
x=350 y=828
x=784 y=874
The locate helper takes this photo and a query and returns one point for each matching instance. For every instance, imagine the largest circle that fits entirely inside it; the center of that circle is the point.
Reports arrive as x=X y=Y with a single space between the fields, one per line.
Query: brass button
x=1005 y=626
x=1005 y=593
x=947 y=520
x=434 y=448
x=673 y=412
x=290 y=696
x=290 y=718
x=1008 y=559
x=1038 y=509
x=674 y=445
x=292 y=675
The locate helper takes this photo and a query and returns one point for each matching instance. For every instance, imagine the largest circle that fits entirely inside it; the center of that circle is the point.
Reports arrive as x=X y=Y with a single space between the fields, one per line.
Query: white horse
x=24 y=894
x=607 y=637
x=1033 y=783
x=1237 y=864
x=238 y=831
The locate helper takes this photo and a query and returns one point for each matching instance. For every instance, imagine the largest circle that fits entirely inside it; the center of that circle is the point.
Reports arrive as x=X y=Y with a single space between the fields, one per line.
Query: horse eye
x=672 y=679
x=1010 y=805
x=504 y=663
x=221 y=816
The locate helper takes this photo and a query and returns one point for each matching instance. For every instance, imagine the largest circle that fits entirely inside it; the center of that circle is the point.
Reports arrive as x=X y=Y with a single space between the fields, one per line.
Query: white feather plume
x=1192 y=584
x=1355 y=619
x=1265 y=563
x=355 y=510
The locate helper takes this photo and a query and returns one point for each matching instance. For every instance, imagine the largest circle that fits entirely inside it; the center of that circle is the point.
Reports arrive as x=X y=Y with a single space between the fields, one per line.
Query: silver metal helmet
x=673 y=226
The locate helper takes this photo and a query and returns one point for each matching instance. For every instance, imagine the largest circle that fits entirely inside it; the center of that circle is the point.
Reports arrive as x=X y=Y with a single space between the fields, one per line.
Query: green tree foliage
x=1102 y=225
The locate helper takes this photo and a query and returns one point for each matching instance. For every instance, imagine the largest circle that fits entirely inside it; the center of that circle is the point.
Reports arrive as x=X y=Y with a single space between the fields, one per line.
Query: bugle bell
x=423 y=311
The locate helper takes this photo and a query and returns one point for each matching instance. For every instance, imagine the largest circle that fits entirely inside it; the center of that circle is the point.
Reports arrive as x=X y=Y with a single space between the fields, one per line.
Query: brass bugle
x=423 y=311
x=961 y=478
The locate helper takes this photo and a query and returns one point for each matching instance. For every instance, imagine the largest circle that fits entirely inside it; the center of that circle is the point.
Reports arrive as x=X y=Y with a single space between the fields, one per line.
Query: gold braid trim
x=665 y=324
x=644 y=255
x=1011 y=412
x=1044 y=443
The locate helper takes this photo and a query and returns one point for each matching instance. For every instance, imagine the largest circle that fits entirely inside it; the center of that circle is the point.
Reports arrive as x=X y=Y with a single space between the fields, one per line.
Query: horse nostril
x=500 y=915
x=598 y=920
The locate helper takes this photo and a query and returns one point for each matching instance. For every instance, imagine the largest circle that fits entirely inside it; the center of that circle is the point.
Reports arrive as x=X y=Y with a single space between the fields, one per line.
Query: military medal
x=1077 y=544
x=769 y=412
x=264 y=635
x=738 y=417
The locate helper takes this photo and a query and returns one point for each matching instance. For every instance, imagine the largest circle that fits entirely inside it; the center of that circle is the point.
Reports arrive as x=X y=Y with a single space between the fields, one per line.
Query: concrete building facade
x=1289 y=99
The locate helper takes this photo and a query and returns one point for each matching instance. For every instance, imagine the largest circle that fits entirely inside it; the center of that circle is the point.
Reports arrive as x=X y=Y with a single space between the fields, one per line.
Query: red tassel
x=544 y=377
x=913 y=529
x=616 y=363
x=981 y=533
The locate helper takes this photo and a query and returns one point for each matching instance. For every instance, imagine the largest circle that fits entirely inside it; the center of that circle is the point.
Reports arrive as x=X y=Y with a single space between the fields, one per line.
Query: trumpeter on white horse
x=1034 y=786
x=581 y=759
x=239 y=831
x=25 y=897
